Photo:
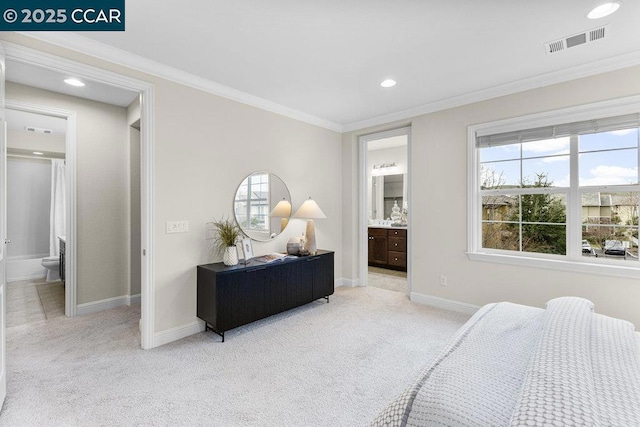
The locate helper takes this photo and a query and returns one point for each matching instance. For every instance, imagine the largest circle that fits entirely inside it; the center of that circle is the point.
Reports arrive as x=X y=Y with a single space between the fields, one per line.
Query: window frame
x=572 y=260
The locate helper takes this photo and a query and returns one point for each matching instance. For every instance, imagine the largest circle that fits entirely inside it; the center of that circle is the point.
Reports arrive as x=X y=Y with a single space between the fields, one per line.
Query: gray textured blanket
x=513 y=365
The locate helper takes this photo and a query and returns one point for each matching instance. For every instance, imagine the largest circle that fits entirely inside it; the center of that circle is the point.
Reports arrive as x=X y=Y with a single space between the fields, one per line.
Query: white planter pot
x=230 y=256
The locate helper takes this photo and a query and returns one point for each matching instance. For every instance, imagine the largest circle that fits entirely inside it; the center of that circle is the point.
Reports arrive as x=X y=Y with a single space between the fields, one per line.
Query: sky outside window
x=616 y=165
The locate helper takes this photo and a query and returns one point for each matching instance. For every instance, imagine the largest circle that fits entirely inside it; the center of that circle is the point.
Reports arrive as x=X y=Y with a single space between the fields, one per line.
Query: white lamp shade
x=282 y=210
x=309 y=210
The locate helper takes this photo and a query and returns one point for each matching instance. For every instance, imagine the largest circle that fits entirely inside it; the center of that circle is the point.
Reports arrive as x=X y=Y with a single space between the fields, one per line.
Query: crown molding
x=117 y=56
x=542 y=80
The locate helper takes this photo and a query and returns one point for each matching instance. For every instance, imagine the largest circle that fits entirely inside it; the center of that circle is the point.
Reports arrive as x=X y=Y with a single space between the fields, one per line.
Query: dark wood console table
x=229 y=297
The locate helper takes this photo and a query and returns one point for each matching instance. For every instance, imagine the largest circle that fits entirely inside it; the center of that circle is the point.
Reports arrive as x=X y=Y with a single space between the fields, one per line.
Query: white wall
x=439 y=204
x=35 y=141
x=28 y=207
x=205 y=146
x=102 y=191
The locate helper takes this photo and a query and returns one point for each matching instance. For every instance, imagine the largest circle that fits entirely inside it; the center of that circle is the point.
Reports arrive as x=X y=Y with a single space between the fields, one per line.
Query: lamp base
x=310 y=245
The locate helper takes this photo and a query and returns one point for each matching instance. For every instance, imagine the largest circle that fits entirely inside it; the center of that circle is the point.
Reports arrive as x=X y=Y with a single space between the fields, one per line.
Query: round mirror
x=262 y=206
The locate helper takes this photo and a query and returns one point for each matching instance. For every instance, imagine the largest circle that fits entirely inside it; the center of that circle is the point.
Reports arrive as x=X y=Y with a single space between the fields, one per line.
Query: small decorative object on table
x=224 y=242
x=272 y=257
x=294 y=246
x=303 y=246
x=247 y=249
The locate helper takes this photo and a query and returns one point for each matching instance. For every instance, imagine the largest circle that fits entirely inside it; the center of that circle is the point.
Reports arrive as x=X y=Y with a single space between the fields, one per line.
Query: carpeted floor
x=322 y=364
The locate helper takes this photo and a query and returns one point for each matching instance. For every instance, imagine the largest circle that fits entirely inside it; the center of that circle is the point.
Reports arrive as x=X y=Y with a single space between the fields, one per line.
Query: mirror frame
x=276 y=224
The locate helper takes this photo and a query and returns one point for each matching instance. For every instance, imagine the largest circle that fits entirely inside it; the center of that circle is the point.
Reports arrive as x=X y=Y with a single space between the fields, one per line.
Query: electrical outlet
x=443 y=280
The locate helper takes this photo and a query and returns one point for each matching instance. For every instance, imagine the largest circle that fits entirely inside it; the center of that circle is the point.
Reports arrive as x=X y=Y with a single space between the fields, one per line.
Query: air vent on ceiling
x=38 y=130
x=576 y=40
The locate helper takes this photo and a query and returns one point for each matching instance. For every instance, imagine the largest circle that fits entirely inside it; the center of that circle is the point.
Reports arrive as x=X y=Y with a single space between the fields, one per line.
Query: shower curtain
x=57 y=218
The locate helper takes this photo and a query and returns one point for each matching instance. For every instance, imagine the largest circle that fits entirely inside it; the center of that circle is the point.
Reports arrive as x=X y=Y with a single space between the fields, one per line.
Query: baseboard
x=447 y=304
x=179 y=332
x=105 y=304
x=19 y=279
x=347 y=283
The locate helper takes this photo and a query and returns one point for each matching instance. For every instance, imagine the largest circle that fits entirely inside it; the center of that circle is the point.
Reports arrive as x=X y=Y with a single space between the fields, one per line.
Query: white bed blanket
x=518 y=365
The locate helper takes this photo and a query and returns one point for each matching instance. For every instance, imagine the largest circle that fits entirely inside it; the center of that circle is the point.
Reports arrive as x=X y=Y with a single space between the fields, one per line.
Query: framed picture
x=247 y=249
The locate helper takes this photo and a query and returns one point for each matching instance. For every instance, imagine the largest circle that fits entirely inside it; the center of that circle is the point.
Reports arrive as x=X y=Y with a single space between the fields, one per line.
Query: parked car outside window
x=614 y=247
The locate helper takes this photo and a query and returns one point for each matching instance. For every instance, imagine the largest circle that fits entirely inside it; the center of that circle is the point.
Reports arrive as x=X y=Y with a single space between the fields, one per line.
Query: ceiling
x=44 y=78
x=384 y=143
x=326 y=59
x=18 y=120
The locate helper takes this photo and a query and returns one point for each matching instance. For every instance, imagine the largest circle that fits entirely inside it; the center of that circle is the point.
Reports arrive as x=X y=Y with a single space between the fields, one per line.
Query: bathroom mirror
x=386 y=191
x=262 y=206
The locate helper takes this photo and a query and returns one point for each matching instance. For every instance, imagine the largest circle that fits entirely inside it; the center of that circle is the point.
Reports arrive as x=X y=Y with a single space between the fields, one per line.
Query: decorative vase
x=294 y=246
x=230 y=256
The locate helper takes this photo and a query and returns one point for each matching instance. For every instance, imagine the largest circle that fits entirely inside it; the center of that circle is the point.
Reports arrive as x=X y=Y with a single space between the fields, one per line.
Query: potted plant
x=224 y=242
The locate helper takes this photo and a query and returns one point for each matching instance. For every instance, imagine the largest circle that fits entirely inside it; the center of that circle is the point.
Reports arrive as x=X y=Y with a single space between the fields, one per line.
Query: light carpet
x=322 y=364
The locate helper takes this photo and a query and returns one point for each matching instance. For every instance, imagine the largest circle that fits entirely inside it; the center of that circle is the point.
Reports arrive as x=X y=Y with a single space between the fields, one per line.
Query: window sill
x=561 y=265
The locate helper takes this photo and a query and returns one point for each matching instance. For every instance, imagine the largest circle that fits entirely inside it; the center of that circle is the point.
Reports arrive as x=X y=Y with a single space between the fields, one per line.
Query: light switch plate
x=177 y=226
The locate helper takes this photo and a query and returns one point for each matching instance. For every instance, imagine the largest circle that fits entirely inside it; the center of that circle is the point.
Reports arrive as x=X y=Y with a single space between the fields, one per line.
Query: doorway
x=36 y=215
x=384 y=212
x=18 y=55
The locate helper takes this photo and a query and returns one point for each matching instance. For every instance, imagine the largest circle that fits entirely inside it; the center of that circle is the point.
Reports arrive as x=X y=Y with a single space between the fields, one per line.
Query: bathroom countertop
x=403 y=227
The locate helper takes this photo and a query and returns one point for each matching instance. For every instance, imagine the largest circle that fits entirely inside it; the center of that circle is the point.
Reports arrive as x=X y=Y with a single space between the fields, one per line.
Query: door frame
x=362 y=202
x=70 y=289
x=146 y=90
x=3 y=234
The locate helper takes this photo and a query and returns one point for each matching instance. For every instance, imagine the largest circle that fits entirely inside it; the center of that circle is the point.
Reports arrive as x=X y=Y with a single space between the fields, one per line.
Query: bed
x=514 y=365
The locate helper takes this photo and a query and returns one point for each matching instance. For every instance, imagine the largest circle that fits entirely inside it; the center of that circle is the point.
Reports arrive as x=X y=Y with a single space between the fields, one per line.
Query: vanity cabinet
x=388 y=248
x=228 y=297
x=377 y=246
x=62 y=259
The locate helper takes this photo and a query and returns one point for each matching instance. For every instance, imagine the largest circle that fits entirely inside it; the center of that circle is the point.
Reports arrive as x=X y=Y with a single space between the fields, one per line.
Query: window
x=557 y=187
x=252 y=203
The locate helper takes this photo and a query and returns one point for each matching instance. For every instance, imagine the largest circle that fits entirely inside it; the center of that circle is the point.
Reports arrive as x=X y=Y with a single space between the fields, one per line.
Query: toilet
x=52 y=264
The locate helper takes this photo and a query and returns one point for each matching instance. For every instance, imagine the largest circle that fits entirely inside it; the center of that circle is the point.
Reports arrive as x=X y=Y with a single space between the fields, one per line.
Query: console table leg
x=207 y=327
x=219 y=333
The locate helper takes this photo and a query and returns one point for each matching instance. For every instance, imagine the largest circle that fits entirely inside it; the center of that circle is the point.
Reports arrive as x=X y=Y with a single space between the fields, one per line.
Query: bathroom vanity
x=62 y=255
x=387 y=247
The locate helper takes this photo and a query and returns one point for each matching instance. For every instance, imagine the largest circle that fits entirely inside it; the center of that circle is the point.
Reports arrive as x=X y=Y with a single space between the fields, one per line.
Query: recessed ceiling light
x=388 y=83
x=38 y=153
x=603 y=10
x=74 y=82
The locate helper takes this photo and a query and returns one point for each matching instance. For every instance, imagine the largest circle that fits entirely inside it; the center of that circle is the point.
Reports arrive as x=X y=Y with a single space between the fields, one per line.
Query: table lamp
x=310 y=211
